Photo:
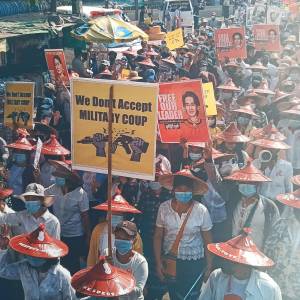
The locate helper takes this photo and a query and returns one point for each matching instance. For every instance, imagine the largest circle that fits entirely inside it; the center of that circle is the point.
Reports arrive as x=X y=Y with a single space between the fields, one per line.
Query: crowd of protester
x=227 y=211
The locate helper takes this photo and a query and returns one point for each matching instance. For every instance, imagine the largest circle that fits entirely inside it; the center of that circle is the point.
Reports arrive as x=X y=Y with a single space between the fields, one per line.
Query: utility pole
x=76 y=7
x=53 y=6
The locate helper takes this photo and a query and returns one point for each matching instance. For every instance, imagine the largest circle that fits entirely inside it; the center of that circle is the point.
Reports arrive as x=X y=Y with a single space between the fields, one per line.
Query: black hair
x=193 y=95
x=183 y=180
x=237 y=33
x=272 y=30
x=58 y=58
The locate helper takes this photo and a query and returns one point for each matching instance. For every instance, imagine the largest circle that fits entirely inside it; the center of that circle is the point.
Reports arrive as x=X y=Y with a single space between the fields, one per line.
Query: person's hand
x=207 y=153
x=159 y=272
x=56 y=117
x=99 y=141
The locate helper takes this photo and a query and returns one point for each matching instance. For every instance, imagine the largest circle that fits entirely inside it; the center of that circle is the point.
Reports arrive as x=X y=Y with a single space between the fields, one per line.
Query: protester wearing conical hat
x=71 y=206
x=189 y=248
x=103 y=280
x=239 y=276
x=36 y=211
x=268 y=160
x=51 y=150
x=40 y=272
x=282 y=245
x=232 y=141
x=252 y=209
x=20 y=169
x=98 y=242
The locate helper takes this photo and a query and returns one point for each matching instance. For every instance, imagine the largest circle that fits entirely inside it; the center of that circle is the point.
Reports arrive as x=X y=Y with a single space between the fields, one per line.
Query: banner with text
x=266 y=37
x=210 y=100
x=174 y=39
x=230 y=43
x=134 y=127
x=18 y=107
x=181 y=112
x=57 y=67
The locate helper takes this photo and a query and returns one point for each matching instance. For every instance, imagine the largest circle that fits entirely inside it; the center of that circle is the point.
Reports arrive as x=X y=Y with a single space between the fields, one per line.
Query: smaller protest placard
x=266 y=37
x=230 y=43
x=181 y=112
x=174 y=39
x=259 y=14
x=38 y=152
x=18 y=107
x=274 y=15
x=210 y=100
x=57 y=67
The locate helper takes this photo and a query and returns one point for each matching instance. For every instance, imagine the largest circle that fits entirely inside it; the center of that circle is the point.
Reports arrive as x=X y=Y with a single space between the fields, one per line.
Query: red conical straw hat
x=290 y=199
x=167 y=180
x=296 y=180
x=229 y=86
x=118 y=204
x=248 y=174
x=246 y=109
x=103 y=280
x=271 y=143
x=242 y=250
x=21 y=143
x=263 y=91
x=53 y=147
x=257 y=66
x=39 y=244
x=217 y=156
x=4 y=193
x=232 y=134
x=147 y=62
x=269 y=131
x=279 y=96
x=170 y=60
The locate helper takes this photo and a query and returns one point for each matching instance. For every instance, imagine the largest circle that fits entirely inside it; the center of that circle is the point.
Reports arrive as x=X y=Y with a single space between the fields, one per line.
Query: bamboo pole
x=109 y=171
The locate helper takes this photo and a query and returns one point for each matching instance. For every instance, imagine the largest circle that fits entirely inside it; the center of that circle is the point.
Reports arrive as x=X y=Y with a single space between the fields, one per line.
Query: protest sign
x=174 y=39
x=134 y=127
x=266 y=37
x=210 y=100
x=181 y=112
x=125 y=73
x=38 y=152
x=259 y=14
x=18 y=107
x=57 y=67
x=230 y=43
x=274 y=15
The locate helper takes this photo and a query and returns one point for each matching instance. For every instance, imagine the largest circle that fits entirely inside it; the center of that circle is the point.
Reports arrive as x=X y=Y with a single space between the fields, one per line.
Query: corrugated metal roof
x=25 y=24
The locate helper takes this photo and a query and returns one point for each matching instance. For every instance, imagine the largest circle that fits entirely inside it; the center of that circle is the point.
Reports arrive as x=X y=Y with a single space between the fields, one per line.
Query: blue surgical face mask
x=154 y=185
x=116 y=219
x=35 y=261
x=123 y=246
x=184 y=197
x=19 y=158
x=33 y=206
x=195 y=156
x=243 y=120
x=247 y=190
x=60 y=181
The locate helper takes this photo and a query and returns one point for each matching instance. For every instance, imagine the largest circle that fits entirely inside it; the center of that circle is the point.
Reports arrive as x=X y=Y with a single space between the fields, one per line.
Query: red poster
x=230 y=43
x=266 y=37
x=181 y=112
x=57 y=66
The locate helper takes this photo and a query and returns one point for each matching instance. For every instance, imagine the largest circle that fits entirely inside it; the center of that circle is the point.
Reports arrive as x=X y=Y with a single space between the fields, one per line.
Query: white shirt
x=68 y=209
x=260 y=287
x=296 y=149
x=138 y=267
x=191 y=244
x=24 y=222
x=54 y=285
x=281 y=179
x=240 y=216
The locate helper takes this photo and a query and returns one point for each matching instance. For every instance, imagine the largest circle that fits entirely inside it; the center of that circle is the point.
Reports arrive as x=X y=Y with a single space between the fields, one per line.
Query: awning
x=27 y=24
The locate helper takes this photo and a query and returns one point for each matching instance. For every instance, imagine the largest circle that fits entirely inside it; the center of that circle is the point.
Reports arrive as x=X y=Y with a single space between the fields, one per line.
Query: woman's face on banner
x=58 y=66
x=237 y=41
x=190 y=107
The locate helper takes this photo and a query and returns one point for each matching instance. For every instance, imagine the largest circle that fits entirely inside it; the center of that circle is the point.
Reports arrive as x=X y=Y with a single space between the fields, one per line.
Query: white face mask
x=195 y=156
x=225 y=170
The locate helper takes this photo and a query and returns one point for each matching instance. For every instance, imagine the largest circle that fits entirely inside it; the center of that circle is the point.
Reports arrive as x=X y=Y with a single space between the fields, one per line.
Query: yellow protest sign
x=134 y=126
x=174 y=39
x=210 y=100
x=18 y=106
x=125 y=73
